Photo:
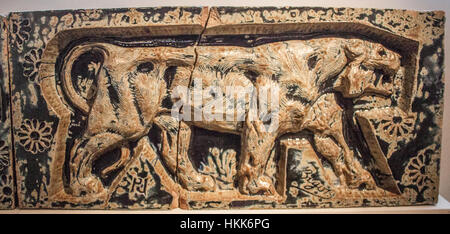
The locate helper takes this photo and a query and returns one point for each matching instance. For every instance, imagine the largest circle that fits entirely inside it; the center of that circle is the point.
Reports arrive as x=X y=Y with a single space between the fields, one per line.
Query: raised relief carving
x=121 y=91
x=225 y=113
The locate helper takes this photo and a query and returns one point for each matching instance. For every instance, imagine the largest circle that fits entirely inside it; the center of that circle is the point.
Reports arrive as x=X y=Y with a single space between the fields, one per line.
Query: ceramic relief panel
x=219 y=107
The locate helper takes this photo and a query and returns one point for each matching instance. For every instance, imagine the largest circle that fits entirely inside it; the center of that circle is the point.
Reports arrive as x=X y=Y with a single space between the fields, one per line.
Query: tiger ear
x=79 y=73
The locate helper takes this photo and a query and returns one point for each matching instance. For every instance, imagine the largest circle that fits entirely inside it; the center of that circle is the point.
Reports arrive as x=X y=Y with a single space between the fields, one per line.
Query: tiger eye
x=145 y=67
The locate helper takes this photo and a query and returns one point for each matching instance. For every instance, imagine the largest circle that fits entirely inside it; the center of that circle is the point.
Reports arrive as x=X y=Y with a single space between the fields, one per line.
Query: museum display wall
x=221 y=108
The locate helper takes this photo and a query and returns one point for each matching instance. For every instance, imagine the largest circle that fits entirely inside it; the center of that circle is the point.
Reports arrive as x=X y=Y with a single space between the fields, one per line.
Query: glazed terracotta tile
x=226 y=108
x=7 y=189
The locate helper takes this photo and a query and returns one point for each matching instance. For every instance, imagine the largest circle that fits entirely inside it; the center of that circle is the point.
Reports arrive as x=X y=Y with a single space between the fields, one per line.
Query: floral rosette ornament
x=35 y=136
x=392 y=125
x=418 y=176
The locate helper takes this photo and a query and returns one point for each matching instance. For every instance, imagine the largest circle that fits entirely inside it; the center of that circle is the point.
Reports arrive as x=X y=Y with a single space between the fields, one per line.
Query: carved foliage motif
x=94 y=124
x=222 y=166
